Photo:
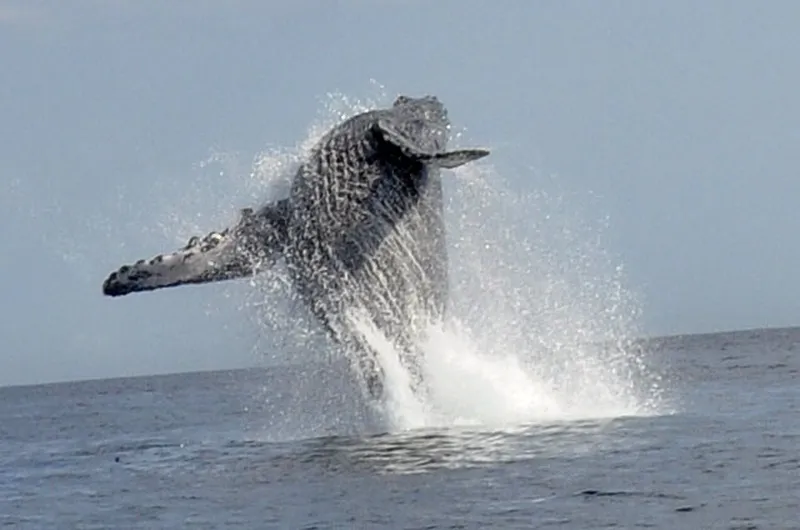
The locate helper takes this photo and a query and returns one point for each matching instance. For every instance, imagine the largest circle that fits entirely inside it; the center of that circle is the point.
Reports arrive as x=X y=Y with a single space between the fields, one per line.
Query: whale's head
x=424 y=119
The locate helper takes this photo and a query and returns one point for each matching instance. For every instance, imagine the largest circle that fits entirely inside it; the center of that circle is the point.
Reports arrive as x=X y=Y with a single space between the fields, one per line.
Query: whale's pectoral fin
x=447 y=159
x=453 y=159
x=247 y=248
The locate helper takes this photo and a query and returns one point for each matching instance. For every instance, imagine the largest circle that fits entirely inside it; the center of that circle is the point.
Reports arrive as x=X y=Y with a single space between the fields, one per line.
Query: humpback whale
x=361 y=232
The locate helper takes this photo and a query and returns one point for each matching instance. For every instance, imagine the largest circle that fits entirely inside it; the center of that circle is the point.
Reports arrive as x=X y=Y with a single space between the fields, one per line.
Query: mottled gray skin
x=361 y=230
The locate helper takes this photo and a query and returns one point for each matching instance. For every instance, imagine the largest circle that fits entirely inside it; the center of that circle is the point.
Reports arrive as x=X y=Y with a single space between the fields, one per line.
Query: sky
x=124 y=122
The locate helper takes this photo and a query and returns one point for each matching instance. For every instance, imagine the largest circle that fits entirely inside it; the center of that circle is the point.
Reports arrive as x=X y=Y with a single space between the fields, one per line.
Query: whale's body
x=362 y=233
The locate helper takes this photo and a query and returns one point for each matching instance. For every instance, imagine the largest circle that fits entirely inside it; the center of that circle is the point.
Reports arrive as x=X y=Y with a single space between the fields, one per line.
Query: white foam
x=467 y=386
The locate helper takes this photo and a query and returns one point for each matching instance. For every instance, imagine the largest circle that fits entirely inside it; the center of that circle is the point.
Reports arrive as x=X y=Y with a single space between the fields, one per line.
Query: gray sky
x=678 y=120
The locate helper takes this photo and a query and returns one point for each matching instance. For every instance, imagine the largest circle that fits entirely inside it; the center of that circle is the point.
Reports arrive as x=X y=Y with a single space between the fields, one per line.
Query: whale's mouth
x=249 y=247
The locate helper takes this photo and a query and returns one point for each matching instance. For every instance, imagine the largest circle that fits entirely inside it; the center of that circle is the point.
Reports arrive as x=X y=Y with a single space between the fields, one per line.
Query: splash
x=541 y=324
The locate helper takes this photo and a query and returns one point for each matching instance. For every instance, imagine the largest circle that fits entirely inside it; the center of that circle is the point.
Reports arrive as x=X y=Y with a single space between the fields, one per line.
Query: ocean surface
x=275 y=448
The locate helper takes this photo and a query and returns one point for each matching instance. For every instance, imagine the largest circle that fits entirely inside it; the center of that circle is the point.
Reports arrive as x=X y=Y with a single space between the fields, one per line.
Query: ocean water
x=216 y=450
